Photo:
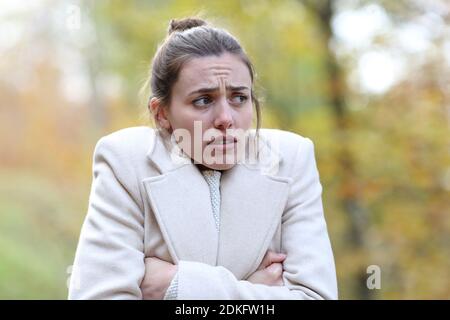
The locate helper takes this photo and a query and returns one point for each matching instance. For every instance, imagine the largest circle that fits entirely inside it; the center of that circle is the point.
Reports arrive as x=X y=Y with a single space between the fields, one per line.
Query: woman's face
x=211 y=103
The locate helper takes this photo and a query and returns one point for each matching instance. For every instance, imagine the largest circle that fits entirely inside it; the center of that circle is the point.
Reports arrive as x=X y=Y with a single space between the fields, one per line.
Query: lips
x=223 y=140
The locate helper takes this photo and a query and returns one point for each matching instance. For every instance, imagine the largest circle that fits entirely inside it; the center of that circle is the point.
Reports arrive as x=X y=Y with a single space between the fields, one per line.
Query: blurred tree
x=349 y=192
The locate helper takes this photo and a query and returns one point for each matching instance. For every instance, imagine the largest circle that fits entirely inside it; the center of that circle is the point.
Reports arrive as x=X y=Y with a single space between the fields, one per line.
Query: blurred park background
x=367 y=81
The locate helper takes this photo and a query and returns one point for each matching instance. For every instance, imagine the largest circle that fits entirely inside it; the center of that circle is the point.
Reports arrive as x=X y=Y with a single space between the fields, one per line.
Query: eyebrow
x=212 y=89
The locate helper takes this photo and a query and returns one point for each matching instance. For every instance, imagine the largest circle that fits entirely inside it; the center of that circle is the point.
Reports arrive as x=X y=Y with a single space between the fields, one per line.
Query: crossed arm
x=110 y=261
x=159 y=274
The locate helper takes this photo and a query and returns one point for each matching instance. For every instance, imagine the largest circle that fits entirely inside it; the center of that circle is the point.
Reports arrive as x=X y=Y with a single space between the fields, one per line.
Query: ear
x=159 y=113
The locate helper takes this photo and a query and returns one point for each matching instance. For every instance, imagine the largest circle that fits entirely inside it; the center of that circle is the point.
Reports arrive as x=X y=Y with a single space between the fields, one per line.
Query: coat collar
x=252 y=201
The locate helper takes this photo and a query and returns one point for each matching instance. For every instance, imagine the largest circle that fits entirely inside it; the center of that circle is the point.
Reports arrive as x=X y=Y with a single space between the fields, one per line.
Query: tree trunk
x=348 y=188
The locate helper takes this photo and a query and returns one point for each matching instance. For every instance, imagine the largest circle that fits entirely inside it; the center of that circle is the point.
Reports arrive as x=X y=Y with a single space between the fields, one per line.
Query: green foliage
x=38 y=228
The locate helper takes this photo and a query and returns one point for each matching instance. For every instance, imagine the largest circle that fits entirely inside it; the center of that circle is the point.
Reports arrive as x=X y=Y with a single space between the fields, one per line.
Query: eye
x=239 y=99
x=202 y=102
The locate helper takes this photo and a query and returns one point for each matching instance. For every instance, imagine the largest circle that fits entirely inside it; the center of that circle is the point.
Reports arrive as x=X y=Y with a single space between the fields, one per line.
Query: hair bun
x=185 y=24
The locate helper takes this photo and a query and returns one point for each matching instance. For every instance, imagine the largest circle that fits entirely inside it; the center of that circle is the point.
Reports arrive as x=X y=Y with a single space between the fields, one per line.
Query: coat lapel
x=179 y=198
x=252 y=202
x=251 y=208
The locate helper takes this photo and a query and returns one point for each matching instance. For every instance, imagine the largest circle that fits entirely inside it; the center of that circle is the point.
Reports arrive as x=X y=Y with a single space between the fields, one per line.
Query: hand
x=270 y=270
x=157 y=278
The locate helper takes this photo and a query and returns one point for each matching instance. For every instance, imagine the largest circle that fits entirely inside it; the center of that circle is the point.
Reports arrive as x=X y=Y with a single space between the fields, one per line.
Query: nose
x=224 y=118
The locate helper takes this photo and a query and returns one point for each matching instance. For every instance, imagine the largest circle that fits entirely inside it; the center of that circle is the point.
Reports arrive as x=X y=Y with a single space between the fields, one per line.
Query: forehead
x=211 y=70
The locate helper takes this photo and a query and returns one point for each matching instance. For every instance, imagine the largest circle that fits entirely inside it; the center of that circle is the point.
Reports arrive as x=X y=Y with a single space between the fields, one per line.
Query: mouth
x=223 y=140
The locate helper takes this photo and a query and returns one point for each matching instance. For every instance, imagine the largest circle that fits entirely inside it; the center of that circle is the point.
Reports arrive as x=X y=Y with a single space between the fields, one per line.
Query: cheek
x=245 y=117
x=180 y=117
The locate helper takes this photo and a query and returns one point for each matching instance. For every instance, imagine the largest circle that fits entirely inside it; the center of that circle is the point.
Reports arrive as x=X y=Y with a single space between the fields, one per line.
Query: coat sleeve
x=309 y=269
x=109 y=260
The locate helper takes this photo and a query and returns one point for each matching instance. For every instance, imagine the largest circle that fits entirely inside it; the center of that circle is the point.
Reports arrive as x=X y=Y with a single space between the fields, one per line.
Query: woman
x=203 y=207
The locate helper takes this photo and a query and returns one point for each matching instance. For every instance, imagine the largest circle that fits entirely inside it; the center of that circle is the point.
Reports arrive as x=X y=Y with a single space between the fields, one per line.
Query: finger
x=271 y=257
x=278 y=257
x=276 y=273
x=275 y=269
